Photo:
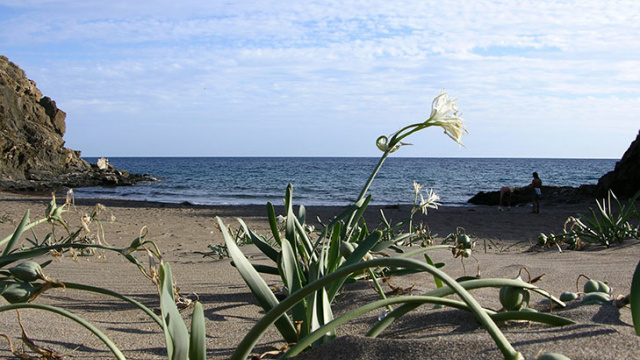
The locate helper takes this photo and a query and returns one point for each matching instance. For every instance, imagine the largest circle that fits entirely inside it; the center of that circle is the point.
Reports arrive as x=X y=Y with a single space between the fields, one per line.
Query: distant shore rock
x=550 y=194
x=33 y=156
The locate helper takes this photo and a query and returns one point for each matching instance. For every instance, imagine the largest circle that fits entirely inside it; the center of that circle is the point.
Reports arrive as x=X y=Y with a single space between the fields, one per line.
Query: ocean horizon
x=335 y=180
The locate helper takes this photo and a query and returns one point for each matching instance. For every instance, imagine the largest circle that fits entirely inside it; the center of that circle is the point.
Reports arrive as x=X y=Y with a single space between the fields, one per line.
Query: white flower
x=417 y=187
x=442 y=105
x=454 y=128
x=445 y=114
x=430 y=202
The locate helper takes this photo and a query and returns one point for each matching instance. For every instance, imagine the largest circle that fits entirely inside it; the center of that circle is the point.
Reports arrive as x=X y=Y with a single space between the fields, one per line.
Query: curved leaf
x=447 y=290
x=175 y=331
x=252 y=337
x=198 y=341
x=273 y=222
x=257 y=285
x=87 y=325
x=139 y=305
x=16 y=234
x=539 y=317
x=291 y=275
x=343 y=319
x=257 y=240
x=359 y=253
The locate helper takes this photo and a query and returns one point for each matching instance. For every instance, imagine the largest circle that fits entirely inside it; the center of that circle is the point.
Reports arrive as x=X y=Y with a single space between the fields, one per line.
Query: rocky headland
x=33 y=156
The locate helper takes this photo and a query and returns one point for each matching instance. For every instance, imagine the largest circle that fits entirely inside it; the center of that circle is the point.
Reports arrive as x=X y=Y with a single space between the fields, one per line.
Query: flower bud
x=27 y=271
x=17 y=292
x=514 y=298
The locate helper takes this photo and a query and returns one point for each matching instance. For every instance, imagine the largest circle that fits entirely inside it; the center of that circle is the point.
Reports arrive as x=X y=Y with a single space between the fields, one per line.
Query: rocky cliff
x=33 y=156
x=624 y=180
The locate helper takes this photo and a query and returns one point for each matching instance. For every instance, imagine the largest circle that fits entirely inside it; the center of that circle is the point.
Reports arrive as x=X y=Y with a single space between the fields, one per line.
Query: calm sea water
x=335 y=181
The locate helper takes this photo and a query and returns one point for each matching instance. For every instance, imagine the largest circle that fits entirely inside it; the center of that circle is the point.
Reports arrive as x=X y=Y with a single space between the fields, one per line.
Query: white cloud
x=366 y=66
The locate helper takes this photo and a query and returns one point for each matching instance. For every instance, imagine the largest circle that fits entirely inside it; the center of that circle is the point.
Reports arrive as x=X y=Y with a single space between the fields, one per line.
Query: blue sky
x=325 y=78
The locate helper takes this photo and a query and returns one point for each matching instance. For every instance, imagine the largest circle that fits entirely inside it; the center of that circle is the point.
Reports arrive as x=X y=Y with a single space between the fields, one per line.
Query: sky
x=538 y=78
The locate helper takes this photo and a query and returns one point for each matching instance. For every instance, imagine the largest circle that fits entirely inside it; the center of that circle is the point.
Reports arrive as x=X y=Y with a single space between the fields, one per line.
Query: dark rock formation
x=550 y=194
x=624 y=180
x=33 y=156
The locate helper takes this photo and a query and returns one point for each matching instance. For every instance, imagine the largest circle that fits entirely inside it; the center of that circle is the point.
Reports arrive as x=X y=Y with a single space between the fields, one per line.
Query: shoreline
x=516 y=223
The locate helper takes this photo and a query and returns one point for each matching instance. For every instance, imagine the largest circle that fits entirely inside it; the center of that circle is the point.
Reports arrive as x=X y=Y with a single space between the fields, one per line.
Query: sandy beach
x=181 y=231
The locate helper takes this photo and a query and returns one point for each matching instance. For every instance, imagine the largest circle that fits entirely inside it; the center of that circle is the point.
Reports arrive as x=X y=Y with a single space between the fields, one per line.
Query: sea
x=335 y=180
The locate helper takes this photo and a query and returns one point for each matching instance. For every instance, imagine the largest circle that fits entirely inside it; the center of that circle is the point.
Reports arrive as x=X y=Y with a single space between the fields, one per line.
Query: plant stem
x=364 y=191
x=378 y=287
x=366 y=187
x=145 y=309
x=114 y=349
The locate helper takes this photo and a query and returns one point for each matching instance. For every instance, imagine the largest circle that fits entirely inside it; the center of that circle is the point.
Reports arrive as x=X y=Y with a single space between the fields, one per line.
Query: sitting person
x=505 y=192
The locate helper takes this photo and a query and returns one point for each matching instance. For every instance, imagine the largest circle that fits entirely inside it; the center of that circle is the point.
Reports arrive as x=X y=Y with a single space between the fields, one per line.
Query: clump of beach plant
x=594 y=291
x=23 y=279
x=220 y=251
x=314 y=266
x=609 y=224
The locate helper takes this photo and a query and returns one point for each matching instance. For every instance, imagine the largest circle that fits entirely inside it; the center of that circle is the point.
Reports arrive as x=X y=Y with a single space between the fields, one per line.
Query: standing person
x=536 y=184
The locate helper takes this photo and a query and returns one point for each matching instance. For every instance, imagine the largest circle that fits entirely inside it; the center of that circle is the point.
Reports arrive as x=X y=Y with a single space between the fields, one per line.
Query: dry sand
x=601 y=332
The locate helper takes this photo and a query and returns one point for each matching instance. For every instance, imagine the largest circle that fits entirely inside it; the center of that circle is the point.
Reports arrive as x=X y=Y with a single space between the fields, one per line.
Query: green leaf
x=16 y=234
x=98 y=290
x=289 y=267
x=359 y=253
x=56 y=310
x=257 y=240
x=252 y=337
x=361 y=207
x=290 y=222
x=351 y=315
x=538 y=317
x=273 y=222
x=198 y=342
x=333 y=257
x=265 y=269
x=435 y=278
x=175 y=330
x=305 y=246
x=324 y=314
x=257 y=285
x=302 y=214
x=383 y=245
x=447 y=290
x=291 y=275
